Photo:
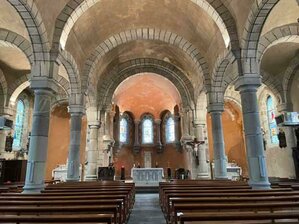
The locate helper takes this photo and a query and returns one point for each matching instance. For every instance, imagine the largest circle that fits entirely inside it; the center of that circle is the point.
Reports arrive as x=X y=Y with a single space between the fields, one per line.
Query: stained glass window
x=147 y=131
x=272 y=121
x=123 y=132
x=170 y=133
x=18 y=131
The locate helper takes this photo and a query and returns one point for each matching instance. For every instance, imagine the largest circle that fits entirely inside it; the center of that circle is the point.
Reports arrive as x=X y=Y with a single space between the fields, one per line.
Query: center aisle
x=147 y=210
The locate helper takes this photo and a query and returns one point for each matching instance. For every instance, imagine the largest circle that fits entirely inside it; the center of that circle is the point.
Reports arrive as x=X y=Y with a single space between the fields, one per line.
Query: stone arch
x=286 y=33
x=16 y=88
x=72 y=69
x=132 y=67
x=218 y=82
x=232 y=95
x=59 y=100
x=252 y=32
x=15 y=40
x=23 y=82
x=143 y=34
x=29 y=13
x=75 y=8
x=288 y=78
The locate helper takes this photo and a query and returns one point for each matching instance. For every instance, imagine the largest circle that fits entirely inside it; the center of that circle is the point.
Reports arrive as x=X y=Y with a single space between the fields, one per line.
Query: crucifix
x=195 y=147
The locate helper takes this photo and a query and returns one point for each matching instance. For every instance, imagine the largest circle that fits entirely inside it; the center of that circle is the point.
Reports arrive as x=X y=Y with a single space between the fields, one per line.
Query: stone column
x=177 y=131
x=185 y=126
x=73 y=165
x=220 y=159
x=37 y=156
x=203 y=166
x=116 y=131
x=158 y=131
x=136 y=142
x=92 y=151
x=108 y=135
x=253 y=135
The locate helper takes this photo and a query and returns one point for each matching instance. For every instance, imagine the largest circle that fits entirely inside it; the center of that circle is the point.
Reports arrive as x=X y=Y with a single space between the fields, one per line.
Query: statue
x=195 y=147
x=282 y=139
x=8 y=143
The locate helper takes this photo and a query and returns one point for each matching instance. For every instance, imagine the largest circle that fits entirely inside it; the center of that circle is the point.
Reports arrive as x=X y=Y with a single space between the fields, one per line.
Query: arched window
x=19 y=124
x=123 y=132
x=170 y=130
x=271 y=121
x=147 y=131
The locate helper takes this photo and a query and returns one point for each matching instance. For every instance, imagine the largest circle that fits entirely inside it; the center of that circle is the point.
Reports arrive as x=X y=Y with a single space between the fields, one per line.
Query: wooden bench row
x=95 y=201
x=215 y=202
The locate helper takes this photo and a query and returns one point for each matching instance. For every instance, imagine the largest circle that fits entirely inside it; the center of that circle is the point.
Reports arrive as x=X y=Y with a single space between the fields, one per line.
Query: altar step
x=147 y=189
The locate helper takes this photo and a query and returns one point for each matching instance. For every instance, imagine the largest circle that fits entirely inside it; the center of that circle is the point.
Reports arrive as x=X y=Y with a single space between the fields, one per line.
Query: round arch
x=75 y=8
x=287 y=33
x=112 y=79
x=29 y=13
x=148 y=34
x=15 y=40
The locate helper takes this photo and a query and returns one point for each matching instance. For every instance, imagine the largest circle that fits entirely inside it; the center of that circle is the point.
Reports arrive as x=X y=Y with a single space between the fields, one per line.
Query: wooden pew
x=243 y=217
x=62 y=210
x=81 y=218
x=105 y=196
x=225 y=207
x=217 y=193
x=40 y=204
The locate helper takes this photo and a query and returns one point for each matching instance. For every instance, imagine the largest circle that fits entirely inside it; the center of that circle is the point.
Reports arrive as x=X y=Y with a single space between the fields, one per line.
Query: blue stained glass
x=18 y=130
x=147 y=131
x=271 y=120
x=123 y=133
x=170 y=130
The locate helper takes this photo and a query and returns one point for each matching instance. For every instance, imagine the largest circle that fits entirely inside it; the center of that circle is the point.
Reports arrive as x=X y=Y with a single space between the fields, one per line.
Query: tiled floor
x=146 y=210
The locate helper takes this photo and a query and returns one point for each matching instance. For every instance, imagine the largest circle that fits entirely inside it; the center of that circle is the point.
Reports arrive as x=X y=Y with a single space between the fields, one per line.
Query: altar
x=147 y=176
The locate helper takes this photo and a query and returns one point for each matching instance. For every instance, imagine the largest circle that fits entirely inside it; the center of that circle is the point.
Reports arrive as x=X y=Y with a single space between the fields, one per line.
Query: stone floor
x=146 y=210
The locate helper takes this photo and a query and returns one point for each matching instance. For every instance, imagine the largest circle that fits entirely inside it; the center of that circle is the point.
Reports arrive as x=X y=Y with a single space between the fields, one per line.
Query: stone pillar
x=220 y=159
x=253 y=135
x=136 y=142
x=185 y=126
x=37 y=156
x=116 y=130
x=203 y=166
x=158 y=131
x=73 y=165
x=92 y=151
x=177 y=131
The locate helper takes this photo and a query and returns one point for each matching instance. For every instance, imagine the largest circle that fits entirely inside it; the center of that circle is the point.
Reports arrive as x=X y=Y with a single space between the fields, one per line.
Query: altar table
x=147 y=176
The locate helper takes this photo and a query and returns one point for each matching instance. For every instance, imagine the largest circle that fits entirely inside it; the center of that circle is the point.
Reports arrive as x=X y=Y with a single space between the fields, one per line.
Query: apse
x=146 y=93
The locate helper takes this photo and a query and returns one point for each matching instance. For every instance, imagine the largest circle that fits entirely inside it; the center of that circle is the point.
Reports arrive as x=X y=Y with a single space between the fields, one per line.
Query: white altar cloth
x=147 y=176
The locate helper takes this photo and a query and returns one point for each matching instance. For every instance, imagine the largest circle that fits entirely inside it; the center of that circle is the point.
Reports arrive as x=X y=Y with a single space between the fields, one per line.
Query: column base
x=33 y=188
x=90 y=177
x=259 y=185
